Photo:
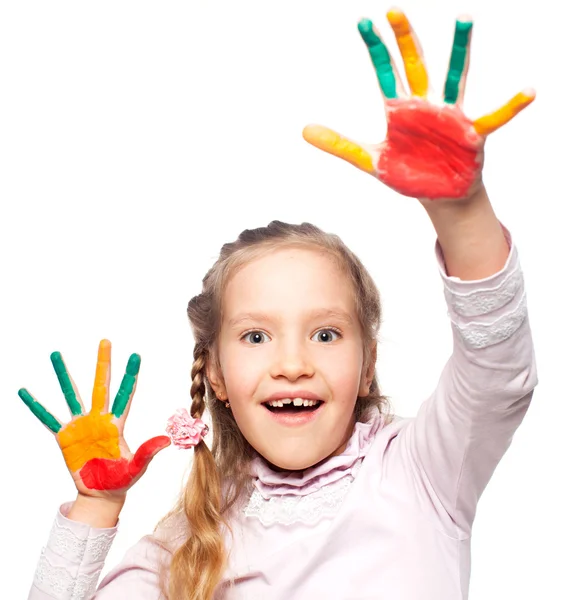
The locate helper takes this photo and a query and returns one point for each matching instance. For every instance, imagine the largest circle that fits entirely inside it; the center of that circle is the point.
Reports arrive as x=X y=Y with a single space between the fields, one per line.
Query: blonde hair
x=197 y=565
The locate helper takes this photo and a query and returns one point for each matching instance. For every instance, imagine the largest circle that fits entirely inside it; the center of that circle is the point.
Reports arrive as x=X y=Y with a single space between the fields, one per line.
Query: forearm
x=471 y=237
x=72 y=560
x=99 y=513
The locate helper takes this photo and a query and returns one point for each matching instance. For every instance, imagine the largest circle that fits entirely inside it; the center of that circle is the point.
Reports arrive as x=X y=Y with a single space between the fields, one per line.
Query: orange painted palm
x=92 y=443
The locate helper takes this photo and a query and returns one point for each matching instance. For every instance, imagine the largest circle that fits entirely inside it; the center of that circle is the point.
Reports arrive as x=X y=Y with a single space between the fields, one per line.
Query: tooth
x=287 y=400
x=280 y=403
x=275 y=403
x=311 y=403
x=305 y=403
x=298 y=401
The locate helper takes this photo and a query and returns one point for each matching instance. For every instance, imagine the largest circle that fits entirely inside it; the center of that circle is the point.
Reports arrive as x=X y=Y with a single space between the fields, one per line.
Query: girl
x=313 y=489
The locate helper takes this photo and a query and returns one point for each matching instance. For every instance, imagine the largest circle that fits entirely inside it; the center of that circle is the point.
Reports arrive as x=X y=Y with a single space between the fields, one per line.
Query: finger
x=66 y=383
x=39 y=411
x=389 y=80
x=147 y=452
x=127 y=387
x=333 y=143
x=489 y=123
x=459 y=59
x=410 y=52
x=100 y=398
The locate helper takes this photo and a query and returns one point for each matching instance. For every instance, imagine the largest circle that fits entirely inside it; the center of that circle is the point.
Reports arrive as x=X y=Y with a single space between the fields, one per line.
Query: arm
x=462 y=431
x=71 y=563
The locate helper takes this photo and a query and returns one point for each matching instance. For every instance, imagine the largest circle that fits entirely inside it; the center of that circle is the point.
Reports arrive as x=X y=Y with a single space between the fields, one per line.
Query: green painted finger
x=65 y=383
x=380 y=58
x=39 y=411
x=457 y=60
x=127 y=385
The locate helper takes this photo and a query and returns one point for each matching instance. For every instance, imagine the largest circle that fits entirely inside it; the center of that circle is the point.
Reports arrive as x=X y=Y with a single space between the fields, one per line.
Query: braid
x=198 y=391
x=202 y=555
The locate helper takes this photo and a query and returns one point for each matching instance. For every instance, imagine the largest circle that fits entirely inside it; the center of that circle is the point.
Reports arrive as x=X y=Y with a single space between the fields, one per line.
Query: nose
x=292 y=361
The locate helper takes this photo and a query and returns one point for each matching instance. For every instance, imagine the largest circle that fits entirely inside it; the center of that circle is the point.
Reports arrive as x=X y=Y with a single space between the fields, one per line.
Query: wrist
x=470 y=235
x=458 y=208
x=99 y=513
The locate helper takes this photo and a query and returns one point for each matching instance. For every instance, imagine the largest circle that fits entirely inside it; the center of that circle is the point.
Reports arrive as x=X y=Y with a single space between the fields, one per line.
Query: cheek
x=242 y=372
x=342 y=370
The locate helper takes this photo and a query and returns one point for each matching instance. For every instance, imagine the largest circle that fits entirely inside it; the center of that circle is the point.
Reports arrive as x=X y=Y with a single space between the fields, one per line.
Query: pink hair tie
x=184 y=430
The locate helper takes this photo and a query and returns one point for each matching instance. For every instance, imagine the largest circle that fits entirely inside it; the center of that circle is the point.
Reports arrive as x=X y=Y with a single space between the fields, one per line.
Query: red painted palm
x=432 y=150
x=92 y=443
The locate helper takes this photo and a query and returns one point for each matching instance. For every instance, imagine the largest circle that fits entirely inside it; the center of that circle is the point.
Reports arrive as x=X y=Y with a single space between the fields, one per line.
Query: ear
x=368 y=372
x=213 y=373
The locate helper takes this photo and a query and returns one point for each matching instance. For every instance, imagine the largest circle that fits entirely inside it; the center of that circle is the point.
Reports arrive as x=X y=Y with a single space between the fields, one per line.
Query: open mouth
x=292 y=405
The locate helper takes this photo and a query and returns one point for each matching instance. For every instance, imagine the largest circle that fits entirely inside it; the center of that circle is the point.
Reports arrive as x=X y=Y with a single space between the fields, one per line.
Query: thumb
x=146 y=453
x=340 y=146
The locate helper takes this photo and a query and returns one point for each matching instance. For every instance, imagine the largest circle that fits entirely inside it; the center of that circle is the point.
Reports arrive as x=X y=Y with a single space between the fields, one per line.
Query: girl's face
x=290 y=335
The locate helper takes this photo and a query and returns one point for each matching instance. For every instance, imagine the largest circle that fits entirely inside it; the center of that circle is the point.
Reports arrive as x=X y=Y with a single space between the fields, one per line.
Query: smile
x=292 y=403
x=293 y=411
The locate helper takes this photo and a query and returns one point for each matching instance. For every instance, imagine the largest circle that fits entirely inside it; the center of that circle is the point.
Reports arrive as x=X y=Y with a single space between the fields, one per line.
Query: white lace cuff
x=487 y=311
x=480 y=335
x=63 y=583
x=70 y=564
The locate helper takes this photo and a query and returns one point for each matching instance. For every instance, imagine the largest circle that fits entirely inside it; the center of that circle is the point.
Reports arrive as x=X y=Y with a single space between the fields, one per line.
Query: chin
x=288 y=463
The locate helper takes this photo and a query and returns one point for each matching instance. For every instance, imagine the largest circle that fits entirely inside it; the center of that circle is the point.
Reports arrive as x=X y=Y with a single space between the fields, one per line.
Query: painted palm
x=92 y=443
x=432 y=150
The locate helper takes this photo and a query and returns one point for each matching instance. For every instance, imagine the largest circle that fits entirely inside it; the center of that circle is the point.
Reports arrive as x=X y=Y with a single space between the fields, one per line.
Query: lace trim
x=481 y=335
x=483 y=301
x=60 y=584
x=309 y=509
x=64 y=542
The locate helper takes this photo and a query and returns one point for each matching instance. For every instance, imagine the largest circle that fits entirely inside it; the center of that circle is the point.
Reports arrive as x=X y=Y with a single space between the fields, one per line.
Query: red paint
x=107 y=474
x=430 y=151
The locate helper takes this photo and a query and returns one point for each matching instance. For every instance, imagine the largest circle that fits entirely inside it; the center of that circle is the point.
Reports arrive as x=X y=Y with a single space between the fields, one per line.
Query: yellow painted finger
x=102 y=377
x=410 y=52
x=489 y=123
x=339 y=146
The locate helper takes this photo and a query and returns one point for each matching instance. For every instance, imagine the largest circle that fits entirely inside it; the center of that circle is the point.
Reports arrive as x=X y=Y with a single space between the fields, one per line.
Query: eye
x=256 y=337
x=326 y=336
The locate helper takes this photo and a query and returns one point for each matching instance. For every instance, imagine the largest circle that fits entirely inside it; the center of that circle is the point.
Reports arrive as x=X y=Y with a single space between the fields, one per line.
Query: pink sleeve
x=70 y=565
x=462 y=431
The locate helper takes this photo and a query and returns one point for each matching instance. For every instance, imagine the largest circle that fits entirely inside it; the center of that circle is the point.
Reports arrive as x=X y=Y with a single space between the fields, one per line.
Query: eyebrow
x=336 y=314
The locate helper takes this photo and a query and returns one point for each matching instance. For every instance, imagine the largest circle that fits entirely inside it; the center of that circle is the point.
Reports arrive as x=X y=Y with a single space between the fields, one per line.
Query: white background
x=136 y=138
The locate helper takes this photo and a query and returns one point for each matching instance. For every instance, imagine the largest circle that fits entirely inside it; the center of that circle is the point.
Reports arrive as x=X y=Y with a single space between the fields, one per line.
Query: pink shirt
x=390 y=518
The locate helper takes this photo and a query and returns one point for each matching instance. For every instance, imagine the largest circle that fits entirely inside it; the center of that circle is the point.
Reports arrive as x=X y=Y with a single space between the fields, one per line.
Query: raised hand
x=432 y=150
x=92 y=443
